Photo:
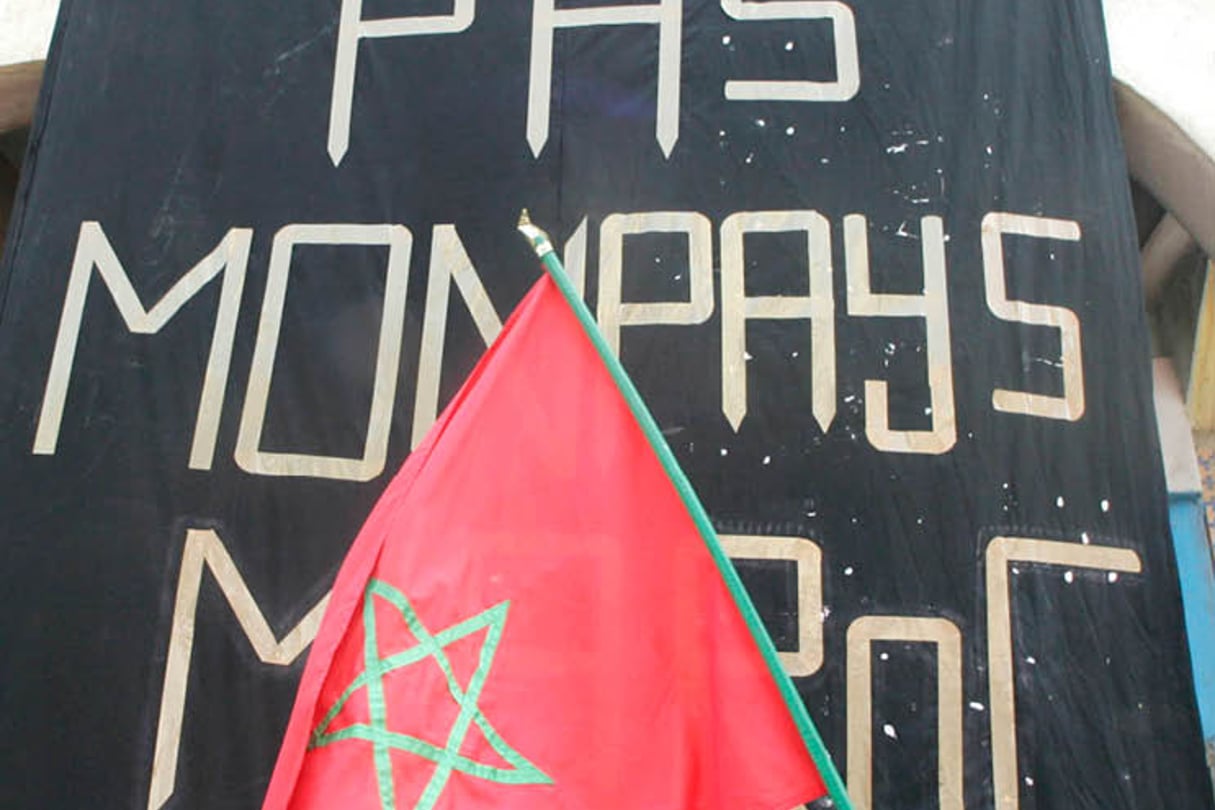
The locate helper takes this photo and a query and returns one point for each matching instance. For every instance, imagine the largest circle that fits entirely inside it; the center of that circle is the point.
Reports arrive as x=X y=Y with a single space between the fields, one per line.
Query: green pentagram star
x=383 y=741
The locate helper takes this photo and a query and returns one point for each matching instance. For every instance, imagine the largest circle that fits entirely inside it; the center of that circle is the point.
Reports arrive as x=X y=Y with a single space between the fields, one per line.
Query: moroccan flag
x=537 y=615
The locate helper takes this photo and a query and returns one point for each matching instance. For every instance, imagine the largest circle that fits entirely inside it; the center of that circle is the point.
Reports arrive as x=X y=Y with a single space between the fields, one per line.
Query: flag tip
x=538 y=238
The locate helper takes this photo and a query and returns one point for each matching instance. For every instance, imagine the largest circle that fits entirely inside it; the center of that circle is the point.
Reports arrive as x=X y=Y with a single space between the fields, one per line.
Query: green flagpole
x=543 y=246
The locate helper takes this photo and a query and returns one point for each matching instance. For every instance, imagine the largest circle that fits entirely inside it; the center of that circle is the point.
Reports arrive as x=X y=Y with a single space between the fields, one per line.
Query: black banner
x=872 y=265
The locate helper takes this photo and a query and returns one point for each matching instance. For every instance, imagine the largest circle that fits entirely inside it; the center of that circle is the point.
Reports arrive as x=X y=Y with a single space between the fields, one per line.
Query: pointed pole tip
x=538 y=238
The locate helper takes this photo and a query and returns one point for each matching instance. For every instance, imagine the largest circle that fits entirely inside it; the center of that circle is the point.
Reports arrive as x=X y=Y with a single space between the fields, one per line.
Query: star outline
x=447 y=759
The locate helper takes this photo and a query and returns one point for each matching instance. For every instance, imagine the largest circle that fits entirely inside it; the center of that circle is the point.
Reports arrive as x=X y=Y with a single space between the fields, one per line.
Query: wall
x=25 y=29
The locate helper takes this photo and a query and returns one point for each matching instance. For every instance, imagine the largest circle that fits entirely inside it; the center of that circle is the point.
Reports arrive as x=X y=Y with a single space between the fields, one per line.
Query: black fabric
x=169 y=124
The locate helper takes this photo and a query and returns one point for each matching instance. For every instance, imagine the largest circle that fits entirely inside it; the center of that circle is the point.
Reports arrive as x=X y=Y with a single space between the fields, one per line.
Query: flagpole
x=543 y=247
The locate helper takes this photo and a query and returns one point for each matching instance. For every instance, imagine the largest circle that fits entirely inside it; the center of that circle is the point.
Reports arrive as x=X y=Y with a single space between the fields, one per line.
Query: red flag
x=531 y=618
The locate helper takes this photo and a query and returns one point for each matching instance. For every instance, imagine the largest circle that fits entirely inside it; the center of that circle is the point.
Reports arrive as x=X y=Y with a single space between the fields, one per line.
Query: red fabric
x=625 y=671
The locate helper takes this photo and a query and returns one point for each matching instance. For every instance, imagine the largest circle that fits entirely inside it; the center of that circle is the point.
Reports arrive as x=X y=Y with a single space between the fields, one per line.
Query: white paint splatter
x=767 y=460
x=1105 y=505
x=1112 y=577
x=890 y=732
x=977 y=706
x=725 y=40
x=1059 y=501
x=848 y=571
x=1029 y=780
x=884 y=656
x=1031 y=660
x=896 y=149
x=789 y=130
x=761 y=123
x=1084 y=538
x=725 y=452
x=1069 y=577
x=789 y=45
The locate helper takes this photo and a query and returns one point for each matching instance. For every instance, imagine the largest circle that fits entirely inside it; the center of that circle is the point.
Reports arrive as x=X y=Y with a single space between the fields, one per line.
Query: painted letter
x=736 y=308
x=249 y=454
x=933 y=307
x=1070 y=406
x=93 y=249
x=613 y=313
x=666 y=14
x=351 y=29
x=847 y=61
